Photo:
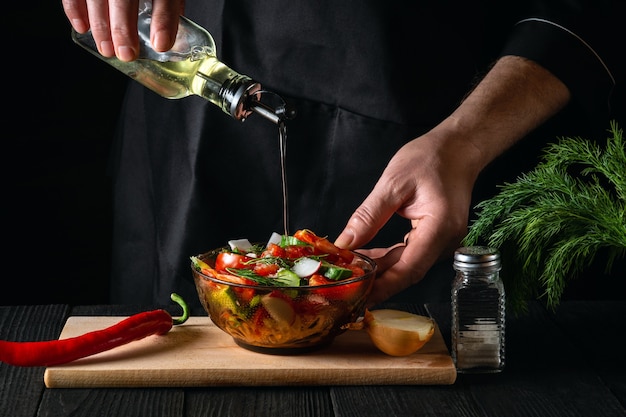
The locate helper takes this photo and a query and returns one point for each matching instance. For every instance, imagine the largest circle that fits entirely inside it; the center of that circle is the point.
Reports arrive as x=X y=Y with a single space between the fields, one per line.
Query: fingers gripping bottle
x=190 y=67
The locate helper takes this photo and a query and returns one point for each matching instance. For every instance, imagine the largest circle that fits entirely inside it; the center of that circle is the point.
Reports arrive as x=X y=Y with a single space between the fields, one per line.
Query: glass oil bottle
x=190 y=67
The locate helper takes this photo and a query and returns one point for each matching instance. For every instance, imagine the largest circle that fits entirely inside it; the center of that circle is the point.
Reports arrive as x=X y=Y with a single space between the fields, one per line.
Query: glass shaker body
x=478 y=311
x=190 y=67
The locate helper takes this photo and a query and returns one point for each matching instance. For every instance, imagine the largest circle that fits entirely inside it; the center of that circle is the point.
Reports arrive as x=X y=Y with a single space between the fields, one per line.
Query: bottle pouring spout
x=274 y=113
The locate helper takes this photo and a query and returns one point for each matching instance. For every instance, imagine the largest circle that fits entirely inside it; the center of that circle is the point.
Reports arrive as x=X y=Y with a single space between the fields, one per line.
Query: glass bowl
x=282 y=319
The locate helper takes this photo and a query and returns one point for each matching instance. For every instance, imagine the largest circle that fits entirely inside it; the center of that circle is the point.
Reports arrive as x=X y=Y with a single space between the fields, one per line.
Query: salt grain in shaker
x=478 y=311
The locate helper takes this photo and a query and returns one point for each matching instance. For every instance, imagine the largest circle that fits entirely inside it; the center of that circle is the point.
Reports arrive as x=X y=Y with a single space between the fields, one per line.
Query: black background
x=59 y=112
x=60 y=106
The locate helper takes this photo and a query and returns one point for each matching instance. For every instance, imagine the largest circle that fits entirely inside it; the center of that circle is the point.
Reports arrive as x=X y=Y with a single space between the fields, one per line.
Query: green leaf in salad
x=288 y=240
x=285 y=277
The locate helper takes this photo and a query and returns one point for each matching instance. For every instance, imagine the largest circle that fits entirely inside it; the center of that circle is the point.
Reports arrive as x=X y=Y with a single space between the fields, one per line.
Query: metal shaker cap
x=476 y=257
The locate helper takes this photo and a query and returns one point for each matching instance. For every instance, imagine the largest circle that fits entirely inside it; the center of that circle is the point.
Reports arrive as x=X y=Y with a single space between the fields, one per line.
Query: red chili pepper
x=57 y=352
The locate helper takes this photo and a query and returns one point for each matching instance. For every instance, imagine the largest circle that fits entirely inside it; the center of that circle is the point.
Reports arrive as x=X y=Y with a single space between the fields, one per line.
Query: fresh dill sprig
x=270 y=260
x=252 y=276
x=554 y=220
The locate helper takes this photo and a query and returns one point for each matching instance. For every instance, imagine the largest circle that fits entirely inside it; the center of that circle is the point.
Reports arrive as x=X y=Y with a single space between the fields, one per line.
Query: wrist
x=514 y=98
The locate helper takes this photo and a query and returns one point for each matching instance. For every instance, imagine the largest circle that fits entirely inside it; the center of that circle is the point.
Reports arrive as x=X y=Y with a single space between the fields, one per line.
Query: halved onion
x=396 y=332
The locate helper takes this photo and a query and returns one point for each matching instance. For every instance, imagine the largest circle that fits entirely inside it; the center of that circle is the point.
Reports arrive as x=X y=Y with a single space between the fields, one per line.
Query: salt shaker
x=478 y=311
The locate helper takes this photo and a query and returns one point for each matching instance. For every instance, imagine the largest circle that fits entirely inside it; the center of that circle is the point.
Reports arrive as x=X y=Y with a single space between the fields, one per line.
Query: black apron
x=364 y=76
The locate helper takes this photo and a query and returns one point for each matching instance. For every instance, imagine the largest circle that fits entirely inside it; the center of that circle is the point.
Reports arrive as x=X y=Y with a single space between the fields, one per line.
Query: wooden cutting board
x=198 y=354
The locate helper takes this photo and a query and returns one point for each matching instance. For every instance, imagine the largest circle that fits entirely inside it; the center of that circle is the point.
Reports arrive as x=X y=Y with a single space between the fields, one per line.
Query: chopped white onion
x=275 y=238
x=243 y=245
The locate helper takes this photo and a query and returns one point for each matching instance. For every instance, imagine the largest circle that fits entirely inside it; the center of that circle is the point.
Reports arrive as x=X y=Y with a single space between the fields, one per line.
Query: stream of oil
x=282 y=143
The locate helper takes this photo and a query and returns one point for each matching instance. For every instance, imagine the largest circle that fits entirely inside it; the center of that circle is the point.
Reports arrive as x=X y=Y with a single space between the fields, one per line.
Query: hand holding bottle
x=113 y=24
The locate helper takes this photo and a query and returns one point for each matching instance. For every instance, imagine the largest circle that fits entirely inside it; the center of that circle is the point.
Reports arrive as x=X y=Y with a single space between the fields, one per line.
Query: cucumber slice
x=226 y=299
x=288 y=278
x=336 y=273
x=255 y=301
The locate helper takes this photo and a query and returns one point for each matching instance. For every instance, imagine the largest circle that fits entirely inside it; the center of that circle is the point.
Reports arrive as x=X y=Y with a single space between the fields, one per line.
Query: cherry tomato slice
x=273 y=250
x=323 y=245
x=345 y=292
x=297 y=251
x=265 y=269
x=226 y=260
x=245 y=294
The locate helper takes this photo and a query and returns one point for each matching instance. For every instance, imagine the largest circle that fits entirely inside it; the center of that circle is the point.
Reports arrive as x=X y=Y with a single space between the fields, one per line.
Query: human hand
x=113 y=24
x=429 y=181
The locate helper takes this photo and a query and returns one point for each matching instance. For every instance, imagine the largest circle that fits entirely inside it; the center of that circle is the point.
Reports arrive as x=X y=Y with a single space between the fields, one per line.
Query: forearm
x=516 y=96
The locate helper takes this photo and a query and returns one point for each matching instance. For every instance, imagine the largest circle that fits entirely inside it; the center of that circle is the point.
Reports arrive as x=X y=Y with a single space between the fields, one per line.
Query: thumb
x=366 y=221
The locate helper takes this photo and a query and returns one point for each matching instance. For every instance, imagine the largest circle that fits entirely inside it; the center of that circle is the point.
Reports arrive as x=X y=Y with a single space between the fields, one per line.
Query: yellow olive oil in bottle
x=190 y=67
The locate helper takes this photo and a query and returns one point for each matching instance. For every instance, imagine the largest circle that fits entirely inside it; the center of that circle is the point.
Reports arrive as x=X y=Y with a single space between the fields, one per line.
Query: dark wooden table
x=565 y=363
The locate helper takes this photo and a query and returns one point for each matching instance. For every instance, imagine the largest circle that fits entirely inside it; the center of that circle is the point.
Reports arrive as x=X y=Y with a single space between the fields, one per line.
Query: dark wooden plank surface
x=548 y=372
x=563 y=363
x=599 y=328
x=401 y=401
x=112 y=402
x=259 y=402
x=21 y=388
